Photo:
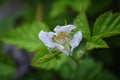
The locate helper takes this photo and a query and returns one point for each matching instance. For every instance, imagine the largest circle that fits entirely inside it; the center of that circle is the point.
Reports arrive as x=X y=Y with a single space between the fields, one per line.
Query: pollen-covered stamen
x=61 y=37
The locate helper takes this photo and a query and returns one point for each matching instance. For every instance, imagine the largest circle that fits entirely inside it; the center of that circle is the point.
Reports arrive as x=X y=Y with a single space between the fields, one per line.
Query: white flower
x=61 y=39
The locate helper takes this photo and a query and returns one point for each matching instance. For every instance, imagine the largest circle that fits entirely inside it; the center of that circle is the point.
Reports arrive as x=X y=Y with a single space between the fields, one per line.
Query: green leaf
x=6 y=66
x=51 y=62
x=78 y=5
x=96 y=42
x=82 y=24
x=66 y=71
x=86 y=67
x=6 y=70
x=60 y=6
x=107 y=25
x=93 y=70
x=26 y=37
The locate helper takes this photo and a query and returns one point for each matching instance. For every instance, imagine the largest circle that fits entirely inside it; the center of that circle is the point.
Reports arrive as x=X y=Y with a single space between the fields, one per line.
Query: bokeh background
x=103 y=64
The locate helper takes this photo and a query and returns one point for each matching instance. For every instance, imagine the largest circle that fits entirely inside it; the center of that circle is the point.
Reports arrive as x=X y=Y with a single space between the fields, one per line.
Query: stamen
x=61 y=37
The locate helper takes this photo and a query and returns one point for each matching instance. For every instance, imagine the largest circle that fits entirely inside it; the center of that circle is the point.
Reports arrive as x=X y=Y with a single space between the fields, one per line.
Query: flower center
x=61 y=37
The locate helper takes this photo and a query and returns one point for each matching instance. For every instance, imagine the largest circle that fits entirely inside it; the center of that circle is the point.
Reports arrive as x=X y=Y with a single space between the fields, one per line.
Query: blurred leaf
x=53 y=62
x=2 y=2
x=61 y=5
x=82 y=24
x=67 y=70
x=96 y=42
x=26 y=37
x=15 y=15
x=107 y=25
x=93 y=71
x=6 y=66
x=98 y=6
x=87 y=67
x=58 y=7
x=38 y=55
x=78 y=5
x=6 y=70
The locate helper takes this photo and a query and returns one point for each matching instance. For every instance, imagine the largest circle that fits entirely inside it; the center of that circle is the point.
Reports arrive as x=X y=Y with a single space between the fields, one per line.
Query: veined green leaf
x=96 y=42
x=82 y=24
x=26 y=37
x=107 y=25
x=50 y=61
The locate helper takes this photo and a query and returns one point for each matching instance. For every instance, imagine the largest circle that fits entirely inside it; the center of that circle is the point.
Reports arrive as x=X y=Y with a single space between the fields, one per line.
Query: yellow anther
x=61 y=37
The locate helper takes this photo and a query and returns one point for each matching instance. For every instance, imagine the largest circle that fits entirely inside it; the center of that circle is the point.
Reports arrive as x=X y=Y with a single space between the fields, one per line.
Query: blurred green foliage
x=21 y=29
x=26 y=35
x=61 y=5
x=7 y=67
x=80 y=70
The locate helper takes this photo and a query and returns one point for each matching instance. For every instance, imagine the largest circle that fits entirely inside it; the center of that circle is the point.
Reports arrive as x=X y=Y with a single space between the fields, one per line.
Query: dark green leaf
x=58 y=8
x=107 y=25
x=82 y=24
x=6 y=70
x=78 y=5
x=61 y=5
x=96 y=42
x=98 y=6
x=87 y=67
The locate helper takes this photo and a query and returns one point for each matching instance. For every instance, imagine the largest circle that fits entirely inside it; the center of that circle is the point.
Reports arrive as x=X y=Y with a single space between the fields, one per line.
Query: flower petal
x=46 y=39
x=66 y=28
x=50 y=35
x=62 y=49
x=76 y=40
